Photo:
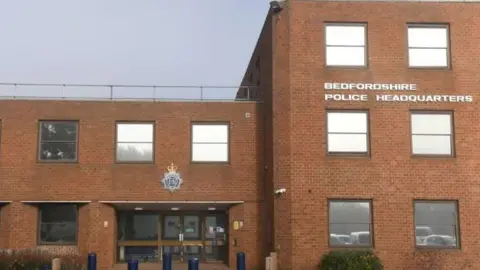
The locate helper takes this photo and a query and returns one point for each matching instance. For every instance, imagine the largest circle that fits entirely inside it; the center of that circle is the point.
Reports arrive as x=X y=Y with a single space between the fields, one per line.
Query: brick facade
x=389 y=176
x=95 y=177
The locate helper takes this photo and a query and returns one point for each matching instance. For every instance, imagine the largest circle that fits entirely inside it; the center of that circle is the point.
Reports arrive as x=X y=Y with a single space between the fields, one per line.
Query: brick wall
x=391 y=177
x=97 y=178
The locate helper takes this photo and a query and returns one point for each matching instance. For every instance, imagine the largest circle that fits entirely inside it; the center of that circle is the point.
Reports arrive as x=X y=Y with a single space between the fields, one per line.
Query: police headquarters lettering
x=403 y=97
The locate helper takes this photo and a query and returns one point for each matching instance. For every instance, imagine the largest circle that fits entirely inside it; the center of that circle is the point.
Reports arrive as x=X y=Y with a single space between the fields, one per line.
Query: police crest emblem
x=171 y=179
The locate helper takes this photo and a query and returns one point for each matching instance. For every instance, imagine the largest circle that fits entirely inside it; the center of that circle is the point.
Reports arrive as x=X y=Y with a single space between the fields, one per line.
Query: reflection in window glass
x=135 y=142
x=427 y=46
x=431 y=133
x=210 y=142
x=345 y=45
x=58 y=223
x=436 y=224
x=142 y=254
x=350 y=223
x=58 y=140
x=138 y=227
x=347 y=132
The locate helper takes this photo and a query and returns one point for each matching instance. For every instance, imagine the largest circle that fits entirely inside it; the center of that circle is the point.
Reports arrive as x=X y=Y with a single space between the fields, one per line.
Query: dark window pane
x=58 y=223
x=137 y=227
x=58 y=151
x=350 y=223
x=142 y=254
x=58 y=131
x=436 y=224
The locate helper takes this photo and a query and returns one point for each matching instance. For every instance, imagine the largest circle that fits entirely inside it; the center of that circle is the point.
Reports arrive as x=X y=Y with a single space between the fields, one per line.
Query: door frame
x=202 y=242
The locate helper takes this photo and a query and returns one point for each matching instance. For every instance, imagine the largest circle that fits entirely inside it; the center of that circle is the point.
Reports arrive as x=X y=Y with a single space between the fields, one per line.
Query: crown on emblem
x=172 y=168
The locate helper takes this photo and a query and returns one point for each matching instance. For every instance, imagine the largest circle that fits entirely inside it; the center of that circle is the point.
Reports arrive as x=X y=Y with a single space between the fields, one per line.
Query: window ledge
x=422 y=249
x=57 y=161
x=426 y=156
x=346 y=67
x=225 y=163
x=426 y=68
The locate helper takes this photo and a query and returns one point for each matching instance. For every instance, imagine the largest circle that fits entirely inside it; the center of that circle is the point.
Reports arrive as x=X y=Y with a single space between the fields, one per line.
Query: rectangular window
x=210 y=142
x=135 y=142
x=432 y=133
x=347 y=132
x=58 y=141
x=436 y=224
x=345 y=44
x=350 y=223
x=58 y=224
x=428 y=45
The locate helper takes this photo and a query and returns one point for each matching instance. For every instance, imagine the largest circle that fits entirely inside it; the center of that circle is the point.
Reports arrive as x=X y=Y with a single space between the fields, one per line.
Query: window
x=58 y=224
x=432 y=133
x=347 y=132
x=436 y=224
x=350 y=223
x=346 y=45
x=210 y=142
x=428 y=46
x=135 y=142
x=58 y=141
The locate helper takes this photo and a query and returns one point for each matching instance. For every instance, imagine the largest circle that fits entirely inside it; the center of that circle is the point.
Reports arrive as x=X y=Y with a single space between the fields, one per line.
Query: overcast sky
x=162 y=42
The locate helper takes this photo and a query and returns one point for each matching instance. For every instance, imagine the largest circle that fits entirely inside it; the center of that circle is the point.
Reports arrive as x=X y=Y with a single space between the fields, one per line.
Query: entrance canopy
x=172 y=205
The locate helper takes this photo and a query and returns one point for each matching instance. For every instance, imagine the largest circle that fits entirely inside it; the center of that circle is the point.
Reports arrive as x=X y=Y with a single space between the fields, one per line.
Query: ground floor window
x=146 y=236
x=58 y=224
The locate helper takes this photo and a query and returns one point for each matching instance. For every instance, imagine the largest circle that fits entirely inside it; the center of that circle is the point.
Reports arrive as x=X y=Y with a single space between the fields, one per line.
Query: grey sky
x=162 y=42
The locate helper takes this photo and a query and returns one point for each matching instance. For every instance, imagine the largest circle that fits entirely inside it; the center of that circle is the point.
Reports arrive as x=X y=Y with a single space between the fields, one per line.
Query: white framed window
x=135 y=142
x=346 y=44
x=347 y=132
x=210 y=142
x=432 y=133
x=428 y=45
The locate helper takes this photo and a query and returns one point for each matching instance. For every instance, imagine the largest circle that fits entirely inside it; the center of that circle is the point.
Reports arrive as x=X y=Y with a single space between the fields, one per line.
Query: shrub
x=37 y=260
x=350 y=260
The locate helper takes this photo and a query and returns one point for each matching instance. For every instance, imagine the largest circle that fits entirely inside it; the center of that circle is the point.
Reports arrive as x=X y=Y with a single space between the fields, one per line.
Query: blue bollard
x=92 y=261
x=241 y=261
x=47 y=267
x=133 y=265
x=167 y=261
x=193 y=264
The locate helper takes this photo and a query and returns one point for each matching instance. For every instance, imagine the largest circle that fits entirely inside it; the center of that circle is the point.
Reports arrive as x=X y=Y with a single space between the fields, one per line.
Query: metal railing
x=152 y=93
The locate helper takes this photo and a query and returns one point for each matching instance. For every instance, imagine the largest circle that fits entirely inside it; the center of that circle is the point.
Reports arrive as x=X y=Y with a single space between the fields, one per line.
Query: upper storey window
x=346 y=45
x=347 y=132
x=135 y=142
x=210 y=142
x=428 y=46
x=432 y=133
x=58 y=141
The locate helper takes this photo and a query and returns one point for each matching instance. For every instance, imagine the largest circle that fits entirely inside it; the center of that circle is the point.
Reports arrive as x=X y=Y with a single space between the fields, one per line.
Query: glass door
x=181 y=236
x=216 y=248
x=192 y=237
x=172 y=236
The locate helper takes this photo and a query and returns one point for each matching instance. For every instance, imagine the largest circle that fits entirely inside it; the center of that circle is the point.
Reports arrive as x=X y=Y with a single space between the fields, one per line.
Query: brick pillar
x=250 y=236
x=23 y=225
x=102 y=234
x=5 y=211
x=83 y=229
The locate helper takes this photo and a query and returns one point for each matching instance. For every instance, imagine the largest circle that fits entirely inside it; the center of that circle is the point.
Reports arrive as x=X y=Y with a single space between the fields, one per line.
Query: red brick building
x=365 y=119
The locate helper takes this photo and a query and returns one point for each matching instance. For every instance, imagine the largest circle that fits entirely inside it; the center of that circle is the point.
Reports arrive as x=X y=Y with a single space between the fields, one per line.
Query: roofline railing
x=126 y=92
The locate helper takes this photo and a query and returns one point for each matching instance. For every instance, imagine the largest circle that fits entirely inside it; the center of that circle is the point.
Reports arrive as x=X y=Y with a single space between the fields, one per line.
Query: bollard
x=241 y=261
x=193 y=264
x=92 y=261
x=167 y=261
x=47 y=267
x=132 y=265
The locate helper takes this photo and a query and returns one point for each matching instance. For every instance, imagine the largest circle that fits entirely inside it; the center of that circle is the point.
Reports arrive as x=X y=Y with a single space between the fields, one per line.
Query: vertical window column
x=135 y=142
x=347 y=132
x=346 y=45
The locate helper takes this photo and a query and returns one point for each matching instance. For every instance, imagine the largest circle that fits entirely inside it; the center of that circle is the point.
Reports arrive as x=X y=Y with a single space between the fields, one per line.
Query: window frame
x=115 y=143
x=457 y=225
x=452 y=132
x=372 y=229
x=353 y=154
x=39 y=141
x=365 y=46
x=445 y=26
x=211 y=123
x=45 y=243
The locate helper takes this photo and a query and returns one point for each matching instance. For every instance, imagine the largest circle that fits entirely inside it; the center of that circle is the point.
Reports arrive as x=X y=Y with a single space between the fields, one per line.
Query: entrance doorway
x=146 y=236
